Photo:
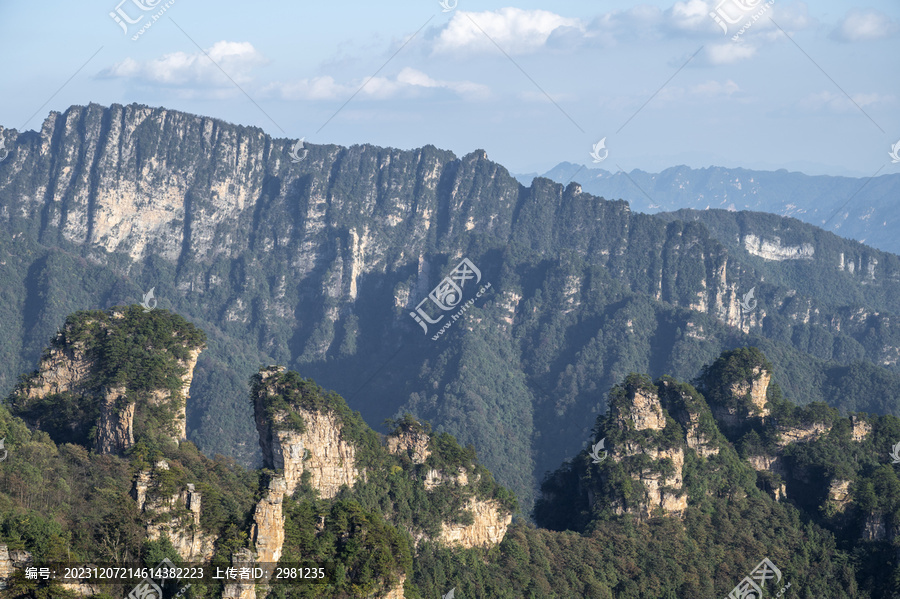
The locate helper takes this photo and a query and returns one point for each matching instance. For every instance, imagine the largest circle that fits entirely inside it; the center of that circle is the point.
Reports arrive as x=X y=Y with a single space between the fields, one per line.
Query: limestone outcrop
x=175 y=515
x=747 y=399
x=267 y=530
x=296 y=440
x=800 y=434
x=639 y=414
x=839 y=494
x=859 y=428
x=241 y=589
x=645 y=411
x=774 y=250
x=489 y=525
x=663 y=487
x=69 y=368
x=410 y=443
x=10 y=561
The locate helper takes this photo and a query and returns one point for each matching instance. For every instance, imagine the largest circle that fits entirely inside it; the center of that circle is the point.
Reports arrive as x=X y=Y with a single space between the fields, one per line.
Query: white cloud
x=180 y=69
x=692 y=15
x=838 y=102
x=728 y=52
x=515 y=30
x=863 y=25
x=408 y=83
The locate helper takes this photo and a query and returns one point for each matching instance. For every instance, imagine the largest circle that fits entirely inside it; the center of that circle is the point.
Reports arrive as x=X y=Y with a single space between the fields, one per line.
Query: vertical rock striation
x=296 y=438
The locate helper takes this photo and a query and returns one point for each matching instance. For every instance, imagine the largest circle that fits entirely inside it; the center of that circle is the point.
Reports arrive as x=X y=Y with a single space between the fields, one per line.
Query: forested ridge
x=750 y=476
x=318 y=265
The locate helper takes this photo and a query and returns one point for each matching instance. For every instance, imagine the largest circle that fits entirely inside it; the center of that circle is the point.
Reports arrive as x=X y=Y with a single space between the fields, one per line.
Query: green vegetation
x=128 y=348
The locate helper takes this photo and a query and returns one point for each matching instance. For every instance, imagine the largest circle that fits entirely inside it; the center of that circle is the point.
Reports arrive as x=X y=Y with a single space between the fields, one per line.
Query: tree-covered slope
x=318 y=265
x=693 y=487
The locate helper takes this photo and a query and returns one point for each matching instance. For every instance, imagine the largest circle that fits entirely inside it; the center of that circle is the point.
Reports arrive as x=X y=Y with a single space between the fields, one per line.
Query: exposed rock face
x=773 y=250
x=67 y=368
x=268 y=523
x=698 y=441
x=64 y=368
x=662 y=491
x=397 y=591
x=860 y=428
x=802 y=433
x=114 y=429
x=320 y=450
x=687 y=412
x=839 y=494
x=176 y=516
x=756 y=387
x=487 y=529
x=433 y=478
x=10 y=561
x=766 y=463
x=645 y=411
x=241 y=589
x=750 y=397
x=642 y=410
x=874 y=528
x=414 y=445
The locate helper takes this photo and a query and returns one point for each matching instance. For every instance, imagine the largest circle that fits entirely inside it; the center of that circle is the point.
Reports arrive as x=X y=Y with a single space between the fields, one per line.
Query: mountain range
x=429 y=288
x=858 y=208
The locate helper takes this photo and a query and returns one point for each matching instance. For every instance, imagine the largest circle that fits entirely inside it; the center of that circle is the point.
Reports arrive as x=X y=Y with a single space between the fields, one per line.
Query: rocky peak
x=688 y=408
x=84 y=371
x=754 y=388
x=640 y=409
x=299 y=432
x=413 y=444
x=736 y=386
x=641 y=448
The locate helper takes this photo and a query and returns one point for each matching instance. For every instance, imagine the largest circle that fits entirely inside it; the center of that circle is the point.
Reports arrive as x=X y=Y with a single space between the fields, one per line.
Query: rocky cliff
x=89 y=372
x=267 y=531
x=298 y=439
x=488 y=527
x=175 y=515
x=320 y=262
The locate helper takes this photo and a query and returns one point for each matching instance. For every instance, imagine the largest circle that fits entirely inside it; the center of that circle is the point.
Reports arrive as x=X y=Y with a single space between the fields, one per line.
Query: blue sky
x=532 y=83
